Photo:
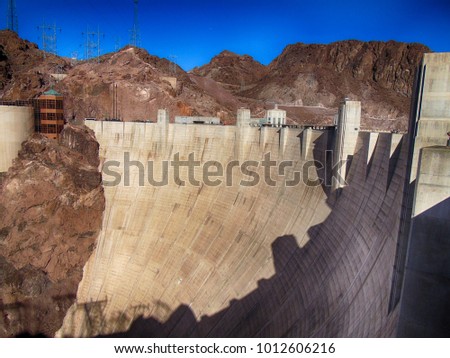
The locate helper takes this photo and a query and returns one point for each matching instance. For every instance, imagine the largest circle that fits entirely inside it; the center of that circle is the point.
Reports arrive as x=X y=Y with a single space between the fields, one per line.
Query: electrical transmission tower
x=49 y=38
x=12 y=22
x=117 y=44
x=92 y=44
x=135 y=33
x=74 y=57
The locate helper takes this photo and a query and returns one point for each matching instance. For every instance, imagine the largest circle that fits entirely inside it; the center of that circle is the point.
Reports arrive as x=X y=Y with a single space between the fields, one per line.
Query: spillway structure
x=297 y=232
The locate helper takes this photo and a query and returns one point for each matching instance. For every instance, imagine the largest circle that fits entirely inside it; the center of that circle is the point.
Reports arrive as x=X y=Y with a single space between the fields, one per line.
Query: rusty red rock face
x=51 y=207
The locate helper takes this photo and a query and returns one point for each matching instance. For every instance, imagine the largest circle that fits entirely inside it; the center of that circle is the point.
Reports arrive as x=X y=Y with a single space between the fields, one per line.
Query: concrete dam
x=294 y=254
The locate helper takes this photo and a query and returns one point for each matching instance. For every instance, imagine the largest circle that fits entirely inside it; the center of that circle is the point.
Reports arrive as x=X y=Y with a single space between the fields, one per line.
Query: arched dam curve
x=242 y=261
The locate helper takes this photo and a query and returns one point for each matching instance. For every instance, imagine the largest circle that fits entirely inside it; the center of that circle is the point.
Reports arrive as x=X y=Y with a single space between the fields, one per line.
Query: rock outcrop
x=381 y=74
x=233 y=71
x=25 y=71
x=143 y=83
x=51 y=207
x=389 y=64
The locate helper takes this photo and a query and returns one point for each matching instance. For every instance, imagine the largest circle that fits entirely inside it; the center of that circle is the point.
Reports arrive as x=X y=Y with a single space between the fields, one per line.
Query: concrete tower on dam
x=276 y=117
x=349 y=120
x=237 y=231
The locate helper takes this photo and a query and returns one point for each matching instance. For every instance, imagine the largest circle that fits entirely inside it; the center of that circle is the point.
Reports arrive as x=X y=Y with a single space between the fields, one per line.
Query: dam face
x=233 y=260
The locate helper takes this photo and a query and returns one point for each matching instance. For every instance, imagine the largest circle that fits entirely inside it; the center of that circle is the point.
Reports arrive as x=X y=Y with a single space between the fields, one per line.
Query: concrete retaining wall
x=16 y=123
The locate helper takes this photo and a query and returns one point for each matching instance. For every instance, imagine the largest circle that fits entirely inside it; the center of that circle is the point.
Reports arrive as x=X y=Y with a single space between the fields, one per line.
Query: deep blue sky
x=196 y=30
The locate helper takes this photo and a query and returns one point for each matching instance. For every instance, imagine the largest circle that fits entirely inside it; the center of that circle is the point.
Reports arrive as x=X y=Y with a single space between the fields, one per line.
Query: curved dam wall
x=17 y=123
x=243 y=261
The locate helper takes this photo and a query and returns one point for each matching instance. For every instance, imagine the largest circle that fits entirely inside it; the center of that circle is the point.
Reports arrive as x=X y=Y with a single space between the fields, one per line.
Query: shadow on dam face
x=425 y=310
x=272 y=293
x=233 y=261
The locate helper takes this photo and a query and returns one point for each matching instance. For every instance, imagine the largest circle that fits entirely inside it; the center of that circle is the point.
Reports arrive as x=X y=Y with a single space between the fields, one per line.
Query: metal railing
x=26 y=103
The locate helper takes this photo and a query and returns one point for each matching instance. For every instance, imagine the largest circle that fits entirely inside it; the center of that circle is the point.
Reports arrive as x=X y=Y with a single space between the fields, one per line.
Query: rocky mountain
x=51 y=208
x=232 y=71
x=5 y=69
x=381 y=74
x=144 y=83
x=25 y=71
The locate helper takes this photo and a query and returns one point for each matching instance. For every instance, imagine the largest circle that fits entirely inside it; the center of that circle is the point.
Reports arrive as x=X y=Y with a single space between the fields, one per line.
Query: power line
x=11 y=20
x=135 y=32
x=92 y=44
x=74 y=57
x=117 y=44
x=49 y=38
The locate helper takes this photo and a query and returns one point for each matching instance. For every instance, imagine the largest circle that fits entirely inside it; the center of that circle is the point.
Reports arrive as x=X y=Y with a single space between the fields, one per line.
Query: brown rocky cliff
x=142 y=88
x=25 y=71
x=391 y=64
x=88 y=88
x=232 y=71
x=51 y=208
x=5 y=69
x=381 y=74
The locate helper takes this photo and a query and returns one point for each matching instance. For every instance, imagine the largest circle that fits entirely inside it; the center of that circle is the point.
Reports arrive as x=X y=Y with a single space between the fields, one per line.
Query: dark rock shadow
x=34 y=317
